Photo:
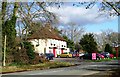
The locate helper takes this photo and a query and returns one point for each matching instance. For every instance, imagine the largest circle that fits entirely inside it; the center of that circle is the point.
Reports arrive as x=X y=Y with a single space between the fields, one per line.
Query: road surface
x=84 y=68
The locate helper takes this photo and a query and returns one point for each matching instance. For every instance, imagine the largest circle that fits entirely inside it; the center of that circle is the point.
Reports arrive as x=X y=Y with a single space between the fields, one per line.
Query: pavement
x=83 y=69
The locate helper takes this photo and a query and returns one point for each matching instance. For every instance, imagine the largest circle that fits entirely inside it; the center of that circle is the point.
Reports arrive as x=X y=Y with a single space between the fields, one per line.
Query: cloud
x=79 y=15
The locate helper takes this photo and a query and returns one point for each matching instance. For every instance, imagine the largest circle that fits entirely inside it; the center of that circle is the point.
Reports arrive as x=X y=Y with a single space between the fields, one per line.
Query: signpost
x=116 y=49
x=116 y=46
x=4 y=52
x=93 y=56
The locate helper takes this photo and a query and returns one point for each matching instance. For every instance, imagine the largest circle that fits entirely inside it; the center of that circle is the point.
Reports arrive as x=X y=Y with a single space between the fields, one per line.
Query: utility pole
x=4 y=51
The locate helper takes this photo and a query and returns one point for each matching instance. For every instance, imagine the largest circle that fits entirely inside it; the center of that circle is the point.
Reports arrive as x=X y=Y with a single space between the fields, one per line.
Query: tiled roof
x=45 y=33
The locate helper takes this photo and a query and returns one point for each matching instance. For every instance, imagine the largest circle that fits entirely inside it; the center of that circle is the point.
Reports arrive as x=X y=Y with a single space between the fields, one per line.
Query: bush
x=9 y=58
x=21 y=56
x=38 y=59
x=30 y=50
x=25 y=55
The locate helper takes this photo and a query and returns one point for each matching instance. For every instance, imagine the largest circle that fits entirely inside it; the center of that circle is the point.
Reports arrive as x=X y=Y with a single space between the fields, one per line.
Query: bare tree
x=73 y=31
x=30 y=16
x=33 y=13
x=111 y=7
x=106 y=37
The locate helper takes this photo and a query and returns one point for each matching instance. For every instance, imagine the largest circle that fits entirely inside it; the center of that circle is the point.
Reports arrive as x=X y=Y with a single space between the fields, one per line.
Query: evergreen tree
x=70 y=43
x=8 y=28
x=108 y=48
x=88 y=43
x=78 y=46
x=30 y=50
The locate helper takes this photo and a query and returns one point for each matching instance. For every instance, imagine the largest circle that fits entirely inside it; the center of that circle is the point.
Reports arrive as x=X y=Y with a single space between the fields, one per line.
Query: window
x=37 y=45
x=65 y=53
x=50 y=47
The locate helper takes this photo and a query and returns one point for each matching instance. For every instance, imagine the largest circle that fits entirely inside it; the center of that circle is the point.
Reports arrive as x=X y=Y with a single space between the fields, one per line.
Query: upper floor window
x=51 y=43
x=37 y=45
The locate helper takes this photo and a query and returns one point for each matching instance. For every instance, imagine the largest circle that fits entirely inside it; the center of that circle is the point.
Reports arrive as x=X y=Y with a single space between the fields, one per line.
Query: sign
x=93 y=56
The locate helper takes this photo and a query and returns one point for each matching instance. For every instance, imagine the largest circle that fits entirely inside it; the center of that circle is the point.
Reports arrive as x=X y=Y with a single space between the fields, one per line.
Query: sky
x=92 y=20
x=97 y=28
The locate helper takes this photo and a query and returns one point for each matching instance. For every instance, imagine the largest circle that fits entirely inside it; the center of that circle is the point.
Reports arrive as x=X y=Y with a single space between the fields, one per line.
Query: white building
x=46 y=40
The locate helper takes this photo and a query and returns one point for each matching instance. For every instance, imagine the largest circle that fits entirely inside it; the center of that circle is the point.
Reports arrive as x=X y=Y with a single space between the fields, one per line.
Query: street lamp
x=115 y=45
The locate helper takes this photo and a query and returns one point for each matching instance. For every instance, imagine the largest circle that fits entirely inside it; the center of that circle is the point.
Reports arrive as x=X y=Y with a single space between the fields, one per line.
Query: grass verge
x=106 y=59
x=41 y=66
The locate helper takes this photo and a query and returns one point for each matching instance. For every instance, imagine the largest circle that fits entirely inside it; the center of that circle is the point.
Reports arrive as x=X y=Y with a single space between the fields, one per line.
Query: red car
x=100 y=56
x=74 y=54
x=111 y=56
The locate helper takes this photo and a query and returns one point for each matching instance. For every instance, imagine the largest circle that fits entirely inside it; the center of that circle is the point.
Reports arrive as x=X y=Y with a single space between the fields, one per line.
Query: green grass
x=41 y=66
x=106 y=59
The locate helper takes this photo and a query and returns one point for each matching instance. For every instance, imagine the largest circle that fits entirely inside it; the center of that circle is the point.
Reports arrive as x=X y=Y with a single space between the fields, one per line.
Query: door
x=54 y=52
x=61 y=51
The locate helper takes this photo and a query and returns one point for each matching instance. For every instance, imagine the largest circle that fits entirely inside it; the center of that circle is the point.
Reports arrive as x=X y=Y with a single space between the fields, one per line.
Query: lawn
x=41 y=66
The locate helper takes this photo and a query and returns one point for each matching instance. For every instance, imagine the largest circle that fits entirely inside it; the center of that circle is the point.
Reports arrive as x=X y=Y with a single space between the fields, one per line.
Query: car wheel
x=48 y=58
x=81 y=58
x=58 y=56
x=67 y=56
x=98 y=58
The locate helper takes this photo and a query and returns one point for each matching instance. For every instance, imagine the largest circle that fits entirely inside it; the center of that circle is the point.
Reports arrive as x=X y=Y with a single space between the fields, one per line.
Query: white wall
x=44 y=45
x=41 y=47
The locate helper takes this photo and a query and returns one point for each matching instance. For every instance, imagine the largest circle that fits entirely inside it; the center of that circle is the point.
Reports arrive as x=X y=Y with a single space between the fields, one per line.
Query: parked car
x=49 y=56
x=65 y=54
x=99 y=56
x=106 y=54
x=86 y=56
x=111 y=56
x=89 y=56
x=74 y=54
x=81 y=55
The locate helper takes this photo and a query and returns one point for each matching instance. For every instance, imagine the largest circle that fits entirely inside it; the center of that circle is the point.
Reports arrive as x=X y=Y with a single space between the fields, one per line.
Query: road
x=84 y=68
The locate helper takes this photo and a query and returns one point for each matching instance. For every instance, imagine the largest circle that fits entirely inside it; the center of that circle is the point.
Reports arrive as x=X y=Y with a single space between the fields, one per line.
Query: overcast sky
x=91 y=19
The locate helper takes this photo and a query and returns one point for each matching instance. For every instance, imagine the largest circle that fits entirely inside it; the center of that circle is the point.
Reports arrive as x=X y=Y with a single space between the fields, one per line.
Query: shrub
x=9 y=58
x=26 y=55
x=37 y=59
x=30 y=50
x=21 y=56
